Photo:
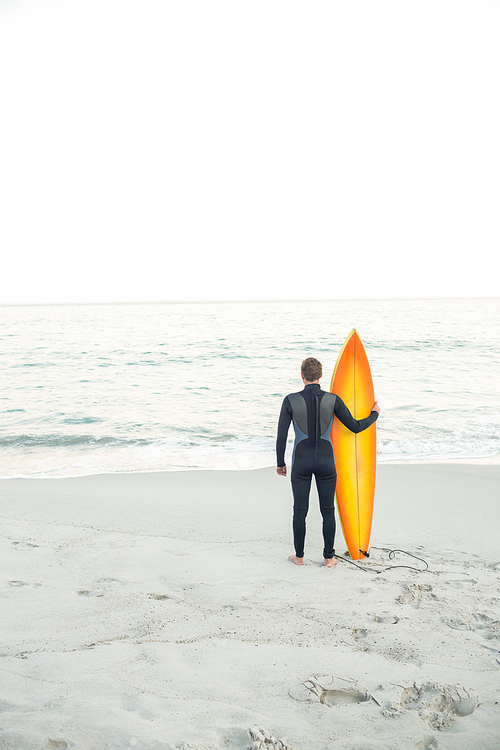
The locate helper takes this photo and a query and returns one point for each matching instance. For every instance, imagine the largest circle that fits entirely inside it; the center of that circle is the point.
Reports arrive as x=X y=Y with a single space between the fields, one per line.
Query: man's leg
x=326 y=492
x=301 y=485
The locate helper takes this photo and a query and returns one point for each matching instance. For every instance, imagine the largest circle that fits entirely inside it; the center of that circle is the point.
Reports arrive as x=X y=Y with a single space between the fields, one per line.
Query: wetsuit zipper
x=317 y=428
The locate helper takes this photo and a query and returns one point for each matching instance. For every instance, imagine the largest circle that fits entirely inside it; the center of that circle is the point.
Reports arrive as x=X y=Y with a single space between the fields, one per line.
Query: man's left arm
x=283 y=426
x=355 y=425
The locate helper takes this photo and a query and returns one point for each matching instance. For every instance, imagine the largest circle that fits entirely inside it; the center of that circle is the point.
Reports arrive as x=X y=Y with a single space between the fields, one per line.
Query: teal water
x=145 y=387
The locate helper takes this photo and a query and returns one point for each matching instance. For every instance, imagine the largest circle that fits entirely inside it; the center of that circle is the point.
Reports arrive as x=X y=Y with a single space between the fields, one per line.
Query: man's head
x=311 y=369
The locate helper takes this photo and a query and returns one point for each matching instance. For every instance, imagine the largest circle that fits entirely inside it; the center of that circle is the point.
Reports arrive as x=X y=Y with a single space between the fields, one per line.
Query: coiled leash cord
x=392 y=554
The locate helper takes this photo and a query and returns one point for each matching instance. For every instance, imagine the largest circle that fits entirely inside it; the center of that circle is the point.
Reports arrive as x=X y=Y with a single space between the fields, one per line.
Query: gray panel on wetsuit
x=299 y=408
x=299 y=437
x=326 y=412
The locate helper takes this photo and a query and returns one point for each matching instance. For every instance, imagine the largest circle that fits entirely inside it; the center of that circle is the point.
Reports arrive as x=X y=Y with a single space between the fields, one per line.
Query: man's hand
x=376 y=407
x=281 y=471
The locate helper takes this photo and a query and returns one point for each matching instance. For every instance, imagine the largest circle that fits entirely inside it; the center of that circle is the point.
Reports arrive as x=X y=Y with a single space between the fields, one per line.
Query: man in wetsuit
x=312 y=411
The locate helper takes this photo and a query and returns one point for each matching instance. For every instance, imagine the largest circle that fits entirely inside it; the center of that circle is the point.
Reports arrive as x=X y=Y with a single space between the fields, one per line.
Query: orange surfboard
x=355 y=455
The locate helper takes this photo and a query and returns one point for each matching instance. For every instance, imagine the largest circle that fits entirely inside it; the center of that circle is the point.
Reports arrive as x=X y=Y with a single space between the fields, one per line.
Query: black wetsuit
x=312 y=411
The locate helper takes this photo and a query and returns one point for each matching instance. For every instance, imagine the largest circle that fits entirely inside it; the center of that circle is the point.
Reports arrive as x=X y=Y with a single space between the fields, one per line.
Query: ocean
x=99 y=388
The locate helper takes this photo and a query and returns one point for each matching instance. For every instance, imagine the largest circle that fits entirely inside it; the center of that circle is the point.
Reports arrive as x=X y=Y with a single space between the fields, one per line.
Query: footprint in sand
x=91 y=592
x=386 y=619
x=330 y=691
x=172 y=597
x=18 y=584
x=359 y=634
x=342 y=697
x=160 y=597
x=428 y=743
x=439 y=705
x=56 y=745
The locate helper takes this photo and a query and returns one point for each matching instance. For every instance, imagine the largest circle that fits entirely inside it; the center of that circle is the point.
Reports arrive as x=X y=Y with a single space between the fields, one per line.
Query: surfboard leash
x=392 y=554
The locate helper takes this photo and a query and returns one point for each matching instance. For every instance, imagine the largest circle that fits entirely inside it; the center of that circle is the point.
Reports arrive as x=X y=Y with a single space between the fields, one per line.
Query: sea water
x=166 y=386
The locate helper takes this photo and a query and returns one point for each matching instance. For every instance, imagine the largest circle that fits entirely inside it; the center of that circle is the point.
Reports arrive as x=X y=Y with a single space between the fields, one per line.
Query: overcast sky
x=256 y=149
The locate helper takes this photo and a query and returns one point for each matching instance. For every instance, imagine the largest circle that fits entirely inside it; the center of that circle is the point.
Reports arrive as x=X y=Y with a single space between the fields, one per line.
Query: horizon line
x=242 y=301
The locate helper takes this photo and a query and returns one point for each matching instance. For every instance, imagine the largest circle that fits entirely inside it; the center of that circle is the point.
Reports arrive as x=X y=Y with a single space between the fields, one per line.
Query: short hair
x=311 y=369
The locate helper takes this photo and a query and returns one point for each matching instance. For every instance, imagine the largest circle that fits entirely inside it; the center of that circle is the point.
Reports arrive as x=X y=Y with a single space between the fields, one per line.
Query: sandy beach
x=160 y=611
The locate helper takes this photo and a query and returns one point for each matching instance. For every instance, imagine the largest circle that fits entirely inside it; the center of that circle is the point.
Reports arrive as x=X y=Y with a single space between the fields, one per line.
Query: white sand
x=160 y=611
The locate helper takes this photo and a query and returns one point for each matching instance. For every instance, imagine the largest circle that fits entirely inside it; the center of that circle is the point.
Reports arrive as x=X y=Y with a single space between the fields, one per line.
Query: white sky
x=253 y=149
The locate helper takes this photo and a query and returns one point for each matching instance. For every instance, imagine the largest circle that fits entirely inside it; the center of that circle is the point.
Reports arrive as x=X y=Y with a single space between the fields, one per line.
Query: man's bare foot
x=330 y=562
x=296 y=560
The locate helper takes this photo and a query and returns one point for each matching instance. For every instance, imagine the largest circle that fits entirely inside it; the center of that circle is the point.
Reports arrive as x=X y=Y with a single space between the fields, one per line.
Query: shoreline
x=478 y=461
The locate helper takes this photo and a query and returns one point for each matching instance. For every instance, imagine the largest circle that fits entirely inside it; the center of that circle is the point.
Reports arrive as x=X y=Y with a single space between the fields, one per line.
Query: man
x=312 y=411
